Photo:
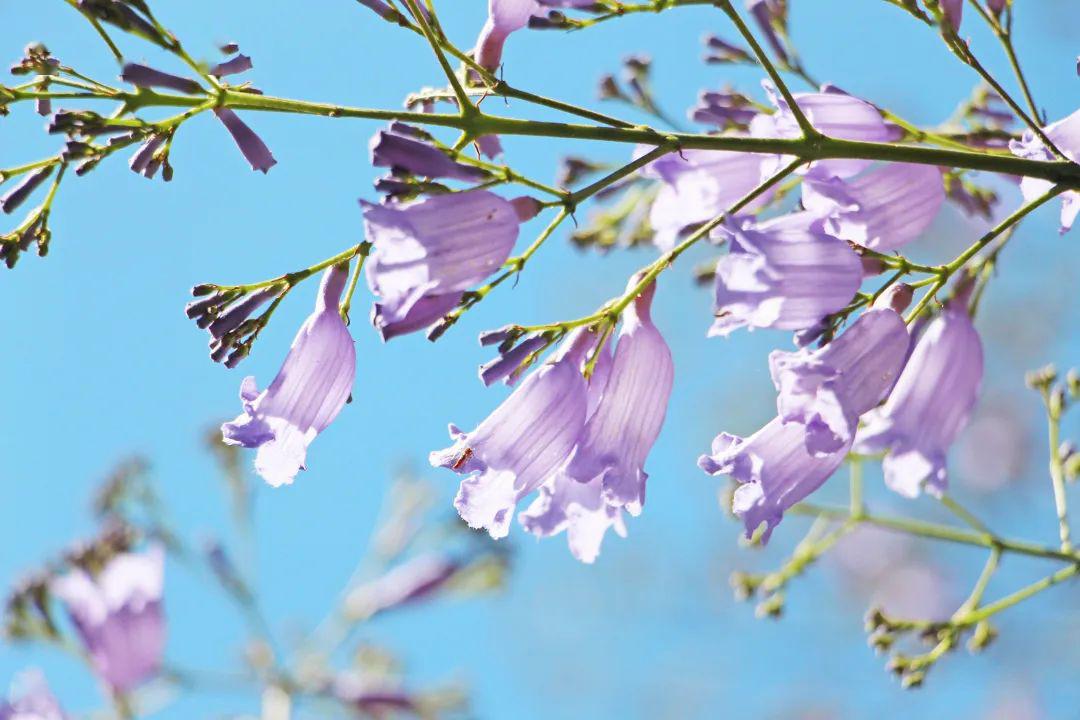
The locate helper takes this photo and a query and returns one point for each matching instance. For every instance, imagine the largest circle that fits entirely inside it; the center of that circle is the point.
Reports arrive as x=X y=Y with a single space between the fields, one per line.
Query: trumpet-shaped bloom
x=402 y=147
x=504 y=17
x=929 y=406
x=773 y=469
x=526 y=439
x=31 y=699
x=883 y=208
x=426 y=253
x=828 y=389
x=119 y=616
x=1065 y=134
x=786 y=273
x=308 y=393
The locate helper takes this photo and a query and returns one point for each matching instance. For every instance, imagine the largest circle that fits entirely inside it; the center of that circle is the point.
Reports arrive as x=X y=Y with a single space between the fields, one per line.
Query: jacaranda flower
x=402 y=147
x=883 y=208
x=427 y=252
x=308 y=393
x=250 y=144
x=31 y=699
x=504 y=17
x=785 y=273
x=119 y=616
x=930 y=404
x=1065 y=134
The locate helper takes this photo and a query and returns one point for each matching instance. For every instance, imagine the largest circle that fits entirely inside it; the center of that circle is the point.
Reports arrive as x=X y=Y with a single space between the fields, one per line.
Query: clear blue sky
x=99 y=362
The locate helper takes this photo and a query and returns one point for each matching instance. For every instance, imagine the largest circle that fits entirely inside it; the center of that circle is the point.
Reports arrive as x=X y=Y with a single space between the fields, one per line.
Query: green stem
x=979 y=590
x=612 y=178
x=362 y=251
x=1057 y=474
x=961 y=512
x=1023 y=594
x=464 y=104
x=857 y=506
x=1005 y=38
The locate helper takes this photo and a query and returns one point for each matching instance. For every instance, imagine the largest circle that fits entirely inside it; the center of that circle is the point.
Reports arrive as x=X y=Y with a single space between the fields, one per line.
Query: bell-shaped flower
x=883 y=208
x=786 y=273
x=512 y=452
x=118 y=615
x=1065 y=134
x=504 y=17
x=31 y=699
x=699 y=185
x=827 y=389
x=427 y=252
x=773 y=469
x=309 y=391
x=628 y=397
x=929 y=406
x=403 y=148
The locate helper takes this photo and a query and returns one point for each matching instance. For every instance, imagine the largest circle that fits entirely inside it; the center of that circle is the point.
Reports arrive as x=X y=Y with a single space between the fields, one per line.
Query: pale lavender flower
x=606 y=475
x=432 y=250
x=403 y=148
x=930 y=404
x=883 y=208
x=490 y=146
x=504 y=17
x=828 y=389
x=308 y=393
x=698 y=185
x=407 y=583
x=250 y=144
x=119 y=616
x=31 y=699
x=773 y=469
x=147 y=77
x=785 y=273
x=512 y=452
x=1065 y=134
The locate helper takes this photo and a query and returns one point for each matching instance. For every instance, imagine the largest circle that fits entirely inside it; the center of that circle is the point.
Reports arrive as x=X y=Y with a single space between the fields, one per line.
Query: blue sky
x=99 y=363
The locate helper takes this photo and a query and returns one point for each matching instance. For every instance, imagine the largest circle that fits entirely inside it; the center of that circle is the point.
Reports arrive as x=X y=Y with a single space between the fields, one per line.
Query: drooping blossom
x=827 y=389
x=699 y=185
x=147 y=77
x=428 y=252
x=930 y=404
x=773 y=469
x=883 y=208
x=308 y=393
x=786 y=273
x=402 y=147
x=31 y=699
x=832 y=112
x=605 y=475
x=527 y=438
x=251 y=145
x=407 y=583
x=1065 y=134
x=504 y=17
x=119 y=617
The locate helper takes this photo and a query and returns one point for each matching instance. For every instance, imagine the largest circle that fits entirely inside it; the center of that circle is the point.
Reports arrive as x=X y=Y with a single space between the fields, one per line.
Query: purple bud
x=142 y=160
x=147 y=77
x=231 y=317
x=250 y=144
x=18 y=194
x=510 y=362
x=238 y=64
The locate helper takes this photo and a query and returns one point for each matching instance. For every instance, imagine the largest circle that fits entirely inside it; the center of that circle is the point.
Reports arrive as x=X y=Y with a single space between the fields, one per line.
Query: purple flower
x=15 y=197
x=1065 y=134
x=409 y=582
x=119 y=616
x=147 y=77
x=31 y=699
x=232 y=66
x=699 y=185
x=381 y=8
x=953 y=11
x=828 y=389
x=308 y=393
x=404 y=148
x=771 y=15
x=512 y=452
x=883 y=208
x=605 y=475
x=725 y=109
x=930 y=404
x=143 y=161
x=426 y=253
x=250 y=144
x=504 y=17
x=773 y=469
x=785 y=273
x=507 y=365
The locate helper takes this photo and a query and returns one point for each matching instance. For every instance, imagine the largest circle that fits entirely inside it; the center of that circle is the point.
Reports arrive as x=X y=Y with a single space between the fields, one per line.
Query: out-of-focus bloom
x=375 y=696
x=147 y=77
x=771 y=16
x=884 y=208
x=119 y=616
x=698 y=185
x=930 y=404
x=996 y=6
x=605 y=475
x=407 y=583
x=832 y=112
x=380 y=8
x=512 y=452
x=308 y=393
x=426 y=253
x=828 y=389
x=250 y=144
x=31 y=699
x=404 y=148
x=721 y=51
x=994 y=450
x=1065 y=134
x=725 y=109
x=773 y=469
x=504 y=17
x=785 y=273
